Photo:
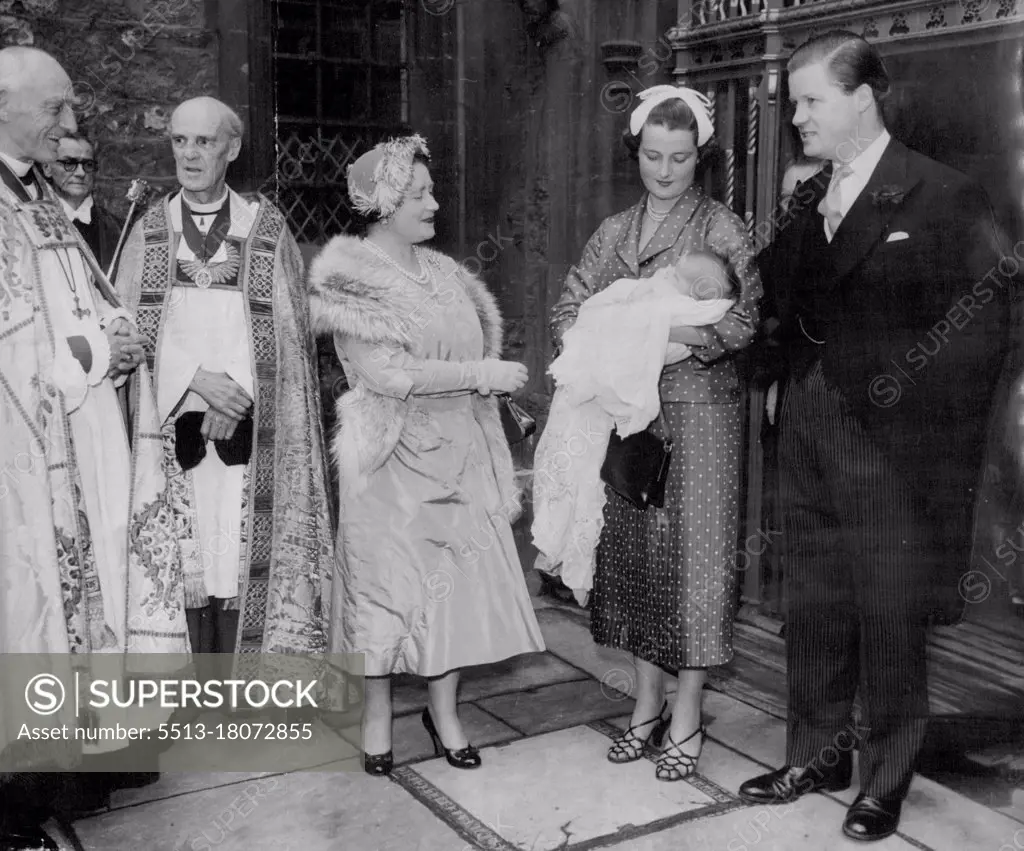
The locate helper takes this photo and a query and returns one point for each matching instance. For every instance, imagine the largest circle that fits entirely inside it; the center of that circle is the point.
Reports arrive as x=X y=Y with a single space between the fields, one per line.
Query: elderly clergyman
x=86 y=549
x=216 y=284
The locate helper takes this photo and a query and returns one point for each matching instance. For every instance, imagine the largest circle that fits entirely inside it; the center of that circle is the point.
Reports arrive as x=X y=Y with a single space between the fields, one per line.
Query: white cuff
x=100 y=346
x=69 y=377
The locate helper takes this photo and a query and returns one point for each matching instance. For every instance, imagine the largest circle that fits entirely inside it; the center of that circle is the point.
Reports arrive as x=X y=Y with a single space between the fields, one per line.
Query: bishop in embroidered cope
x=87 y=552
x=215 y=281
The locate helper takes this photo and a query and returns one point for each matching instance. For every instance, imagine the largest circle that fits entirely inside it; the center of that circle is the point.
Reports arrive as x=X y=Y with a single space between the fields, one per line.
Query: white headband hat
x=699 y=105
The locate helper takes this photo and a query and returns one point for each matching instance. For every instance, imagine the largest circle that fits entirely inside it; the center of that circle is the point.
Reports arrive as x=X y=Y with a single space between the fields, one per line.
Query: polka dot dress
x=665 y=582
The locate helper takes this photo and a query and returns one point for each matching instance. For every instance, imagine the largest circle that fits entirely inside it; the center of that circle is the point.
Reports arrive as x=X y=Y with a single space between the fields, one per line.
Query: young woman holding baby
x=664 y=587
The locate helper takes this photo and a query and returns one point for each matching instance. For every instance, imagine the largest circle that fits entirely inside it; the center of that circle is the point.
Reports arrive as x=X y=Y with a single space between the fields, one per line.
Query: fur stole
x=354 y=294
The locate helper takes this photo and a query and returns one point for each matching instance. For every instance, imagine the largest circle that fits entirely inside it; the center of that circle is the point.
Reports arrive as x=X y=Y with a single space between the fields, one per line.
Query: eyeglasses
x=70 y=166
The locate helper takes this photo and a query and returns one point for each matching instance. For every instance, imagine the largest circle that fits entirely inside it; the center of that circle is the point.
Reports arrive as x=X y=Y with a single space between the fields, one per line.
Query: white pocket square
x=898 y=236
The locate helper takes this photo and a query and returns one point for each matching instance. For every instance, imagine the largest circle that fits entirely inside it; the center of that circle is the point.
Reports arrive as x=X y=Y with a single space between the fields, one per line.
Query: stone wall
x=543 y=161
x=569 y=169
x=131 y=61
x=494 y=103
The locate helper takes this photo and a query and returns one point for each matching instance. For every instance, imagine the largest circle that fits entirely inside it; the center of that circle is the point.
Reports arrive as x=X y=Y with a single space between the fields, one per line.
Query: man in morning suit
x=892 y=306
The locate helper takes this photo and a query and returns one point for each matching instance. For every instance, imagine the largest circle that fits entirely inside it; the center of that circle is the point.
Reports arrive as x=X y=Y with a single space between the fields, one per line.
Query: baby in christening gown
x=607 y=377
x=702 y=277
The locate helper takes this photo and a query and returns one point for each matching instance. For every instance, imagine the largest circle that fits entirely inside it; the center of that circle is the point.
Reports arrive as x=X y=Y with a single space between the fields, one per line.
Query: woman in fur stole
x=429 y=579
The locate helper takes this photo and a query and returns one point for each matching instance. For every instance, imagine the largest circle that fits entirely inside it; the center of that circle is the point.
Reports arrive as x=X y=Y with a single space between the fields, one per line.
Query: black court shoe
x=379 y=764
x=467 y=757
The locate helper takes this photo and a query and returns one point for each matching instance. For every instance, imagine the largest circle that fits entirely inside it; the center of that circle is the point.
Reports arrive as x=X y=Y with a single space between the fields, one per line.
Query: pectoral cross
x=69 y=276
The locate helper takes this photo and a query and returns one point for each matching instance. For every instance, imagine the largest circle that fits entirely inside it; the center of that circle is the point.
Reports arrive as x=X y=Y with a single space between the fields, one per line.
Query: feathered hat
x=379 y=179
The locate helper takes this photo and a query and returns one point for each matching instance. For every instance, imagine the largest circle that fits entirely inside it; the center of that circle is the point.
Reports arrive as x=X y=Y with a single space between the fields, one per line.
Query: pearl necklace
x=422 y=278
x=656 y=217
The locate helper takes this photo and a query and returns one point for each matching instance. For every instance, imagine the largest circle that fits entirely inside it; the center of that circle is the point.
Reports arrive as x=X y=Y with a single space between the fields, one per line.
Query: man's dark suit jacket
x=911 y=303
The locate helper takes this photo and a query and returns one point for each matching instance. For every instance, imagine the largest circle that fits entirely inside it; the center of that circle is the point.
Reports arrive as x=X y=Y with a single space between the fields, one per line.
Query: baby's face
x=683 y=282
x=702 y=279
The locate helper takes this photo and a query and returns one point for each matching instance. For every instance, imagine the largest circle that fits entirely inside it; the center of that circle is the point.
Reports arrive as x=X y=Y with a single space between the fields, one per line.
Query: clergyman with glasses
x=73 y=177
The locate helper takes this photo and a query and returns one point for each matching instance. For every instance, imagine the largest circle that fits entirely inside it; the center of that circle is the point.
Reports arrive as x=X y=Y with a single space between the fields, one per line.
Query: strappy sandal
x=629 y=747
x=673 y=764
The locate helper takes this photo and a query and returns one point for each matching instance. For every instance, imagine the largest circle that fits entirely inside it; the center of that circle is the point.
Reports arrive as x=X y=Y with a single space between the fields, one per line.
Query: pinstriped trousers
x=858 y=557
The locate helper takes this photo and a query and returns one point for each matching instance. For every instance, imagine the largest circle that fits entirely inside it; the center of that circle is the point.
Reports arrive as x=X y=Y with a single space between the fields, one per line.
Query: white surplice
x=98 y=428
x=207 y=329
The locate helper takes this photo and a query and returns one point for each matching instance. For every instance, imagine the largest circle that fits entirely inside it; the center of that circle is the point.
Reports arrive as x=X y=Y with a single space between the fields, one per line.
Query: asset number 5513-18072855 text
x=241 y=731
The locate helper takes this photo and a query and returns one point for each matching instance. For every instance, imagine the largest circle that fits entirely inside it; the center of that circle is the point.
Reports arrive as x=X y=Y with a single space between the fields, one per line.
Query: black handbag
x=518 y=424
x=636 y=467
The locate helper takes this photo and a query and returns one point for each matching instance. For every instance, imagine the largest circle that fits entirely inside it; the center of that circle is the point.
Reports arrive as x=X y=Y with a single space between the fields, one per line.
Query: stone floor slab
x=557 y=791
x=410 y=742
x=757 y=734
x=932 y=814
x=570 y=640
x=171 y=785
x=992 y=776
x=521 y=674
x=409 y=694
x=249 y=752
x=306 y=811
x=812 y=824
x=556 y=707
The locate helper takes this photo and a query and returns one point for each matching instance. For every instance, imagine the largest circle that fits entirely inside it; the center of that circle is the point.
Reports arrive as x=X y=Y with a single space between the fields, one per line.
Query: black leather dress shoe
x=789 y=783
x=870 y=819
